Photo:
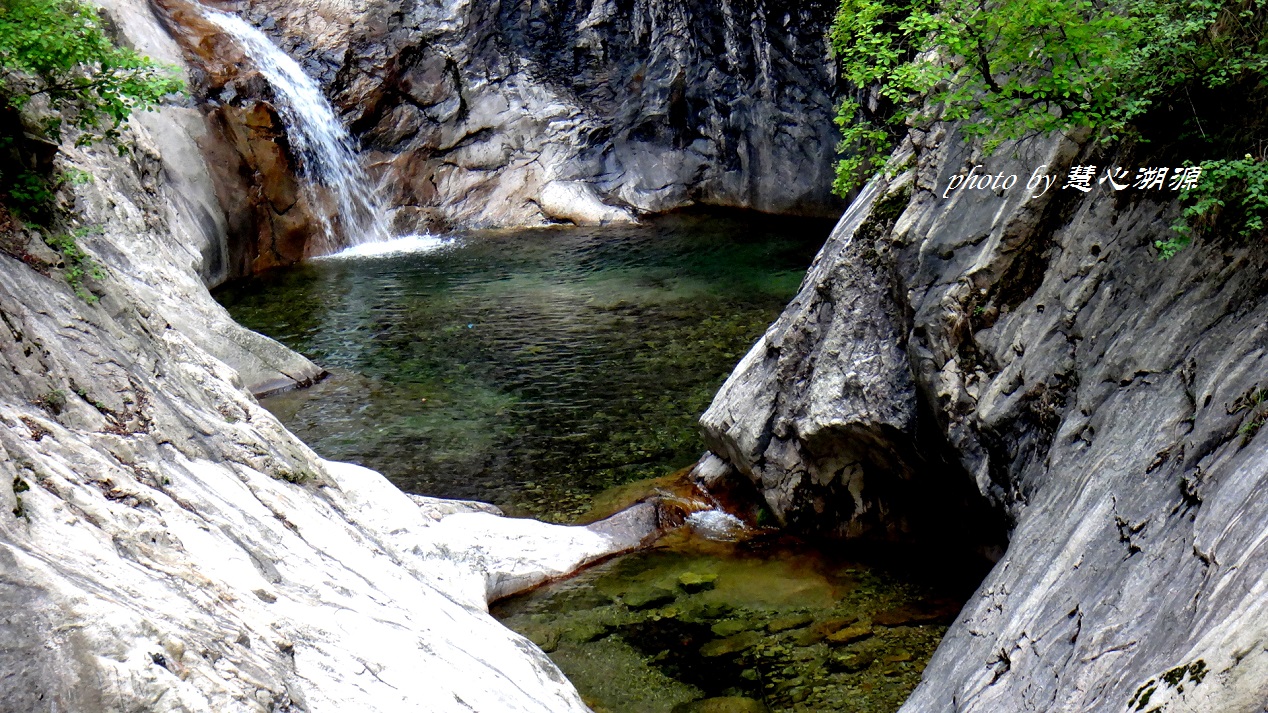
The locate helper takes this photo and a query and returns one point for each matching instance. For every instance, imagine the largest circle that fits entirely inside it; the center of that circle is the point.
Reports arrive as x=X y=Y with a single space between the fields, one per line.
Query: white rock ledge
x=234 y=591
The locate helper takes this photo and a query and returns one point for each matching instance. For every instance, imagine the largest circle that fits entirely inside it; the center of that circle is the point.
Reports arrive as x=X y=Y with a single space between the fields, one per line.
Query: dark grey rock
x=652 y=105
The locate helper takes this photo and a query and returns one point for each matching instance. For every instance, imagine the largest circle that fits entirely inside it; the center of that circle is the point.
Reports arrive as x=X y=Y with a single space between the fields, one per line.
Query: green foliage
x=29 y=189
x=1255 y=404
x=1013 y=68
x=78 y=177
x=19 y=486
x=1232 y=193
x=60 y=49
x=53 y=401
x=78 y=264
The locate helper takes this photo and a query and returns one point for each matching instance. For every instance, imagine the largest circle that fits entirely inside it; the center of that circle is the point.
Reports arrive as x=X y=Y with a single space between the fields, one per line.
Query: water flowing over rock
x=326 y=152
x=486 y=115
x=166 y=545
x=1096 y=397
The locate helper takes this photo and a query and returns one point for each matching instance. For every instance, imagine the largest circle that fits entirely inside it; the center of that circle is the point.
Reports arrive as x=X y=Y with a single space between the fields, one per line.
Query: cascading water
x=326 y=151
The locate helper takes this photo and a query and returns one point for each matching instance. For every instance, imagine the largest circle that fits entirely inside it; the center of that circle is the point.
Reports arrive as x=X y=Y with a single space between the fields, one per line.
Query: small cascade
x=326 y=151
x=717 y=525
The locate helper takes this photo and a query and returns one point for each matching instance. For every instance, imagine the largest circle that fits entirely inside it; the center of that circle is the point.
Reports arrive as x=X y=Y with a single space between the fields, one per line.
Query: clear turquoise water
x=530 y=368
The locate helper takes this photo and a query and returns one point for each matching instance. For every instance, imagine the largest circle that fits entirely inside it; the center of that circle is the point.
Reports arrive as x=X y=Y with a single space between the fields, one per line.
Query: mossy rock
x=546 y=637
x=695 y=582
x=649 y=597
x=851 y=661
x=731 y=627
x=583 y=632
x=700 y=611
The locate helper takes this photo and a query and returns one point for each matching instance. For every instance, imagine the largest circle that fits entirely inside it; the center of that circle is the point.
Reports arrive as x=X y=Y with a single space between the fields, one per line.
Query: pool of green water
x=528 y=368
x=548 y=371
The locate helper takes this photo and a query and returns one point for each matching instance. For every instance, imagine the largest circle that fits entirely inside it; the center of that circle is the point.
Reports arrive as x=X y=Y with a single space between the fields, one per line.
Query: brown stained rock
x=403 y=123
x=246 y=149
x=417 y=184
x=291 y=235
x=273 y=165
x=429 y=81
x=849 y=635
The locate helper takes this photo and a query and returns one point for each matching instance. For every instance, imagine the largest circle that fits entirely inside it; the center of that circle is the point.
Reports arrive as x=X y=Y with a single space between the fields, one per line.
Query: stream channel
x=556 y=371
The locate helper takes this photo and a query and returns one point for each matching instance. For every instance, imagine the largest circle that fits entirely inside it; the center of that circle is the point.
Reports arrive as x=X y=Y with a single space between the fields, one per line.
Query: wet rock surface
x=478 y=115
x=1095 y=397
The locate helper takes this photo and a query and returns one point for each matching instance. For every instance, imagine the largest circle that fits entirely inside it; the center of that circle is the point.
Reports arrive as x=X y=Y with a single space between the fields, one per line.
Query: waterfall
x=326 y=152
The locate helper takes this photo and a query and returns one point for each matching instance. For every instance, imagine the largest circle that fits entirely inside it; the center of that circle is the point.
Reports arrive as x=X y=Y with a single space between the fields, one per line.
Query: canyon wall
x=165 y=544
x=498 y=114
x=1035 y=351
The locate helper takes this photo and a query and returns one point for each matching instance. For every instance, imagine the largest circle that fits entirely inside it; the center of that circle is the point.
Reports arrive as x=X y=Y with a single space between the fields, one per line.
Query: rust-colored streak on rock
x=271 y=224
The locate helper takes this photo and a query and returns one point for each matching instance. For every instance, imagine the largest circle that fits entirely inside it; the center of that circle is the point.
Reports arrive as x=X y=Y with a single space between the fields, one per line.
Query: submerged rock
x=789 y=621
x=696 y=582
x=731 y=644
x=849 y=634
x=648 y=597
x=852 y=661
x=731 y=627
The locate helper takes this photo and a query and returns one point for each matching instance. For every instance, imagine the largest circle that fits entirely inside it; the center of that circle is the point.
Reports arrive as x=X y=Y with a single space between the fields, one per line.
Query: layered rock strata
x=1109 y=405
x=494 y=115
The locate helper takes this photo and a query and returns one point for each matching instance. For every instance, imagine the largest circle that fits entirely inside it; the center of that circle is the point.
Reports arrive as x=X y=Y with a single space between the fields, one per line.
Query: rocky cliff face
x=509 y=114
x=1108 y=404
x=165 y=545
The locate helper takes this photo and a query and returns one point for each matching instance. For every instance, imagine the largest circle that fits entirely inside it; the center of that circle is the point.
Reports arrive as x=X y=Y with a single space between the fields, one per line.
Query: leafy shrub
x=1014 y=68
x=53 y=401
x=60 y=50
x=1232 y=192
x=78 y=264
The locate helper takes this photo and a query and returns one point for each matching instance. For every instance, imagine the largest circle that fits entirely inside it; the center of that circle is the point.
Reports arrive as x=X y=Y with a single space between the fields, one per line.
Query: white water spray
x=408 y=244
x=326 y=151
